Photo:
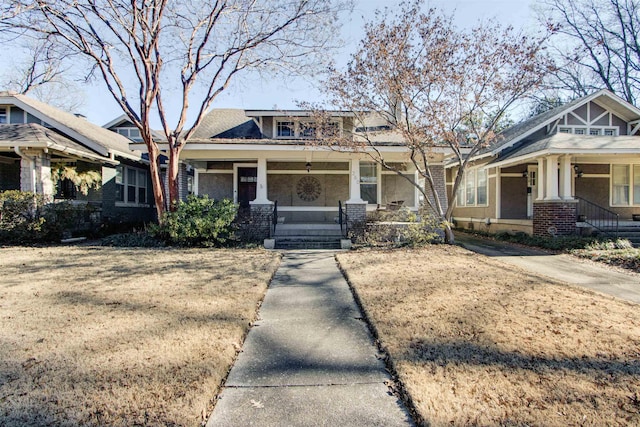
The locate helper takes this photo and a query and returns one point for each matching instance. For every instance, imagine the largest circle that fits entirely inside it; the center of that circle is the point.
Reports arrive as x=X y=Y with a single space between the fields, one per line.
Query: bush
x=559 y=243
x=200 y=221
x=406 y=229
x=21 y=219
x=139 y=239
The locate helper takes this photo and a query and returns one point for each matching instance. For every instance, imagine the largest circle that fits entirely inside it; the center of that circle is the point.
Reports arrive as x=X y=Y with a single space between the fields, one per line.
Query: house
x=36 y=137
x=259 y=157
x=573 y=168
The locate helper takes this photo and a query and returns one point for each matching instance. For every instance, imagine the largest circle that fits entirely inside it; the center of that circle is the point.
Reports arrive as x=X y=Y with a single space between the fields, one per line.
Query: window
x=131 y=185
x=473 y=189
x=308 y=130
x=636 y=184
x=592 y=130
x=131 y=133
x=305 y=129
x=620 y=185
x=66 y=189
x=3 y=115
x=369 y=182
x=285 y=129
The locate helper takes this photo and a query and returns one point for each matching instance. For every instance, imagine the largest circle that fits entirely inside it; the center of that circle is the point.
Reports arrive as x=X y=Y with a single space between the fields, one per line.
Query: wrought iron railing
x=343 y=220
x=600 y=218
x=274 y=218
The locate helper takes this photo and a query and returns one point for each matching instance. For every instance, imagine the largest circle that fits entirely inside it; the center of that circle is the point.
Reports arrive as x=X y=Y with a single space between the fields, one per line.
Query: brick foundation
x=554 y=218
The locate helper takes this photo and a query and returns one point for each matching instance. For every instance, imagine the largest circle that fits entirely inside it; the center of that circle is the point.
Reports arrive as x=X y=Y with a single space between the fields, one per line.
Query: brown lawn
x=477 y=342
x=107 y=336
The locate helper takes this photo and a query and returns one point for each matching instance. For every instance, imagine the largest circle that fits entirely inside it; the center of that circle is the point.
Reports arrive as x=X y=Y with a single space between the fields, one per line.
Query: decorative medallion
x=308 y=188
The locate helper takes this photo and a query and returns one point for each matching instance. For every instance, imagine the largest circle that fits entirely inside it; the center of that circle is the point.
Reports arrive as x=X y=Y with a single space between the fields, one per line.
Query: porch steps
x=629 y=230
x=307 y=236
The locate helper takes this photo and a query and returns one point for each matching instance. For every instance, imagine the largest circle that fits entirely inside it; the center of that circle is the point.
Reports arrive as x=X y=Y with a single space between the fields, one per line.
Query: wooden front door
x=247 y=182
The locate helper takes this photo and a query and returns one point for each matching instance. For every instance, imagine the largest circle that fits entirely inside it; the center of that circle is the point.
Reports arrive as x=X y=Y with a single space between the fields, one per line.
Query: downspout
x=32 y=167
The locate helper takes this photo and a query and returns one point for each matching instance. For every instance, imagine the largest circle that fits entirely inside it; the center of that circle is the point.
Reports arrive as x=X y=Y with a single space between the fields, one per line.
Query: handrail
x=342 y=214
x=598 y=217
x=274 y=217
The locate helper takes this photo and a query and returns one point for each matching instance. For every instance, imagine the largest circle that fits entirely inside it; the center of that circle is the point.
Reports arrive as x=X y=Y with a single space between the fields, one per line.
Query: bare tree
x=153 y=54
x=597 y=45
x=44 y=72
x=437 y=87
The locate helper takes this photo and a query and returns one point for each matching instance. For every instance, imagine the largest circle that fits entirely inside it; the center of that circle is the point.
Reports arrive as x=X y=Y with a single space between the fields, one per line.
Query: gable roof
x=35 y=135
x=227 y=123
x=519 y=132
x=94 y=137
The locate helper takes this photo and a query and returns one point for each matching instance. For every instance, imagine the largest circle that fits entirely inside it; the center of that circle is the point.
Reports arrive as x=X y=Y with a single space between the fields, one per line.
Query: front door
x=247 y=181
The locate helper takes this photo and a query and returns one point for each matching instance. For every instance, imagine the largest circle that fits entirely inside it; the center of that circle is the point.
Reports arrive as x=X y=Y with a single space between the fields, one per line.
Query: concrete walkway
x=561 y=267
x=309 y=360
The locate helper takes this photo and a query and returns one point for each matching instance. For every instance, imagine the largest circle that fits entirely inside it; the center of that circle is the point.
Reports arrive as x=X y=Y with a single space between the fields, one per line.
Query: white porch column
x=261 y=185
x=551 y=178
x=566 y=175
x=196 y=182
x=498 y=193
x=354 y=182
x=541 y=179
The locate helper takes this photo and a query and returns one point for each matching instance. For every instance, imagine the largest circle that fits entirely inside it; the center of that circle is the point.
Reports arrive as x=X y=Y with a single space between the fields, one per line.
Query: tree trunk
x=449 y=238
x=156 y=181
x=172 y=177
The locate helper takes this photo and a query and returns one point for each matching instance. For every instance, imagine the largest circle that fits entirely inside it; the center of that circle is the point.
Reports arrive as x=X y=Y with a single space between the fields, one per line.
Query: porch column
x=566 y=176
x=551 y=178
x=261 y=185
x=541 y=179
x=498 y=193
x=354 y=182
x=355 y=207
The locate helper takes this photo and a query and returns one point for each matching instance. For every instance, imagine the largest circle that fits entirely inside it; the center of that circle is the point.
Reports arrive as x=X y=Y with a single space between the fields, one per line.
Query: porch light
x=525 y=174
x=308 y=166
x=577 y=170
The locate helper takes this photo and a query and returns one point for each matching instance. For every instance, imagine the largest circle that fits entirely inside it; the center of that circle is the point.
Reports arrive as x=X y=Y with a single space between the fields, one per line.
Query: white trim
x=307 y=208
x=304 y=171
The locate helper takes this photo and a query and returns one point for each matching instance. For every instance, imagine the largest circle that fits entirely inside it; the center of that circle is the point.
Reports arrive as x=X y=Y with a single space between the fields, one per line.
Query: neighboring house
x=34 y=137
x=579 y=161
x=258 y=157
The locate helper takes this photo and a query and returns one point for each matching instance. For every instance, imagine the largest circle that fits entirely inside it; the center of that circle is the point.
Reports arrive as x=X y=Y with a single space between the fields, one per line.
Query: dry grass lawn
x=476 y=342
x=108 y=336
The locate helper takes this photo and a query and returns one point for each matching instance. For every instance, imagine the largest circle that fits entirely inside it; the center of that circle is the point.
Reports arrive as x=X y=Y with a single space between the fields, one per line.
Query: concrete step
x=307 y=244
x=298 y=230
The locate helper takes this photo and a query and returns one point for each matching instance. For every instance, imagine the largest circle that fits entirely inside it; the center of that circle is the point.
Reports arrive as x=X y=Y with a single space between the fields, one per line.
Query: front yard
x=106 y=336
x=476 y=342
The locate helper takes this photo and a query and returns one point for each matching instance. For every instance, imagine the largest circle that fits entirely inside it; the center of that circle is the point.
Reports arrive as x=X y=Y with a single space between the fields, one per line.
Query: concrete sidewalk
x=561 y=267
x=309 y=360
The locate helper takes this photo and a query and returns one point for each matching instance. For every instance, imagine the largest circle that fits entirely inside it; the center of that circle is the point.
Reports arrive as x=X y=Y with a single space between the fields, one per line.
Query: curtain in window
x=620 y=187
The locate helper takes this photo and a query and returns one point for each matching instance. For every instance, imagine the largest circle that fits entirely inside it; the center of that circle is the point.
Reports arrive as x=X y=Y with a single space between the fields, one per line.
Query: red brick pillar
x=554 y=218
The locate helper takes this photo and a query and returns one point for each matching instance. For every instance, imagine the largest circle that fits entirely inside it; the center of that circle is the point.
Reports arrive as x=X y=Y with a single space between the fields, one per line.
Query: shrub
x=200 y=221
x=138 y=239
x=405 y=229
x=21 y=218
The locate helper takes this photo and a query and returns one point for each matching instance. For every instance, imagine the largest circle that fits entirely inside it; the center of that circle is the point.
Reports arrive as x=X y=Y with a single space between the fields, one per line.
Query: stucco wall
x=396 y=188
x=284 y=189
x=216 y=185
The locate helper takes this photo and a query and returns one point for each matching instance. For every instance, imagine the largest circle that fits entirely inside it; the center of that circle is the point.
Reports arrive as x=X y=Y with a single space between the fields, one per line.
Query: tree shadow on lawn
x=461 y=352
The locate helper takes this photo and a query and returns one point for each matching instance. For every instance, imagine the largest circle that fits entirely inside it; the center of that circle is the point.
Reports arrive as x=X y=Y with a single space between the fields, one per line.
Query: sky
x=254 y=93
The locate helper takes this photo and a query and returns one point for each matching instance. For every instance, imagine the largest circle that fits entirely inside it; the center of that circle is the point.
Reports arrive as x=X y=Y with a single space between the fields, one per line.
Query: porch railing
x=343 y=220
x=274 y=218
x=598 y=217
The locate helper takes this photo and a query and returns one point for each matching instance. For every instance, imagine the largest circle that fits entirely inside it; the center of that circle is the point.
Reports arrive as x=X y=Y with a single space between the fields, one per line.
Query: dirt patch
x=107 y=336
x=478 y=342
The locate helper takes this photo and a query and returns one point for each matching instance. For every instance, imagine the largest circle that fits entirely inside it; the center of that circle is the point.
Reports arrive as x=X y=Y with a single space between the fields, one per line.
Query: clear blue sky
x=257 y=94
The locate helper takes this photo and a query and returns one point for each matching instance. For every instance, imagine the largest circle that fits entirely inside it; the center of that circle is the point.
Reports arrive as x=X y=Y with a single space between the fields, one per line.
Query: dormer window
x=591 y=130
x=305 y=129
x=285 y=129
x=132 y=133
